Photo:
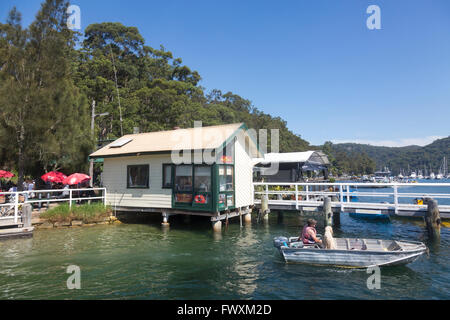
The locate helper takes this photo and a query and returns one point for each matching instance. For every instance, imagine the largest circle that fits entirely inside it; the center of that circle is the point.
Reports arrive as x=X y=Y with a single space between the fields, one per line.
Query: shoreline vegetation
x=76 y=216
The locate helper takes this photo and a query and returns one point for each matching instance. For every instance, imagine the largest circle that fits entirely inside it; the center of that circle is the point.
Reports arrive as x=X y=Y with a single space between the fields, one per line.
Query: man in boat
x=309 y=233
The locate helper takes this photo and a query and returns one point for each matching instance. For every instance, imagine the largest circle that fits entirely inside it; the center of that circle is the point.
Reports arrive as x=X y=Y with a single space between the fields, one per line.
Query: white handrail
x=16 y=203
x=355 y=184
x=342 y=191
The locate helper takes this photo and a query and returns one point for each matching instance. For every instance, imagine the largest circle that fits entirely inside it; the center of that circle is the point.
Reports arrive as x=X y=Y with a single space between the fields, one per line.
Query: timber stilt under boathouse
x=204 y=171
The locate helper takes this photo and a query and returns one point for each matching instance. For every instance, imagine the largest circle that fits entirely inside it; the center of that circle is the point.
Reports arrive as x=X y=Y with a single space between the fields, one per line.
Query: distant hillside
x=398 y=158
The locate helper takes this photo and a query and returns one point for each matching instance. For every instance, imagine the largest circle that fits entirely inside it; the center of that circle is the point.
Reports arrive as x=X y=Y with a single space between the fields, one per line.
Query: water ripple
x=143 y=261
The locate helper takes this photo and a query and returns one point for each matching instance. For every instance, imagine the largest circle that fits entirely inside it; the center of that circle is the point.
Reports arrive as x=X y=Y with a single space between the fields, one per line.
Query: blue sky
x=312 y=62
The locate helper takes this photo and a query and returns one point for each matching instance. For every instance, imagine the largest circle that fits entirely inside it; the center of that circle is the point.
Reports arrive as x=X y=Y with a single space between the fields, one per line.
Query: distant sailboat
x=442 y=170
x=420 y=176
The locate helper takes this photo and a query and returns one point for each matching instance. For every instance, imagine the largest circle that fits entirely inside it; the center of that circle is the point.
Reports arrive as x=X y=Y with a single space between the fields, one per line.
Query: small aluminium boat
x=351 y=253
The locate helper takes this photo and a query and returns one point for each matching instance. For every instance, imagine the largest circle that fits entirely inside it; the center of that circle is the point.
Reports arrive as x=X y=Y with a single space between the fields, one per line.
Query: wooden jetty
x=310 y=196
x=18 y=225
x=16 y=213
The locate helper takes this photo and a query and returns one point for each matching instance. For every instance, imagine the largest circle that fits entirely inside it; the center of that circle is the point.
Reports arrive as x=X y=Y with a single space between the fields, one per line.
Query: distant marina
x=409 y=176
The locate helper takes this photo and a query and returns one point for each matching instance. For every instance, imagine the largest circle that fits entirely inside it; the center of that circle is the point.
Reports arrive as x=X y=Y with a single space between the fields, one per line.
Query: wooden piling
x=226 y=222
x=217 y=226
x=165 y=222
x=27 y=210
x=265 y=207
x=327 y=212
x=433 y=219
x=240 y=217
x=248 y=218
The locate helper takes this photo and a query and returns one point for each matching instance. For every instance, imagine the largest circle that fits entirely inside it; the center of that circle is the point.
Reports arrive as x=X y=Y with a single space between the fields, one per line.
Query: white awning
x=312 y=157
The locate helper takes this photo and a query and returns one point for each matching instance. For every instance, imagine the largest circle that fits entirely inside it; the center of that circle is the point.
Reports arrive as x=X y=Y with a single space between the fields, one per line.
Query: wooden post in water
x=26 y=215
x=265 y=208
x=248 y=217
x=165 y=217
x=433 y=219
x=217 y=226
x=327 y=212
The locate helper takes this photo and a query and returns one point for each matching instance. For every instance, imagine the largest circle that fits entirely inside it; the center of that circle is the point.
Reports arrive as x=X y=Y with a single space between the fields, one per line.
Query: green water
x=187 y=261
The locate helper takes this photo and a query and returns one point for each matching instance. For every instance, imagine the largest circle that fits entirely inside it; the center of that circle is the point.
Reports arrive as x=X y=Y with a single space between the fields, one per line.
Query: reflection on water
x=190 y=261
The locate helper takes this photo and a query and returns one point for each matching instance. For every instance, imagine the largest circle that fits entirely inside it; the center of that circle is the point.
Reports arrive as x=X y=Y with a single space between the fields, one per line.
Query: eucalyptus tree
x=43 y=115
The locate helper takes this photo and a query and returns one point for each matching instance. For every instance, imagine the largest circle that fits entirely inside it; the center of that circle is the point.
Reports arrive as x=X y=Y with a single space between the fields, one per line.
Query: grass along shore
x=88 y=213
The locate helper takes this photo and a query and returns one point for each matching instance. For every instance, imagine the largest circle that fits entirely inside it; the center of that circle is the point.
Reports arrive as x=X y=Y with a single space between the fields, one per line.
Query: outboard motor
x=280 y=241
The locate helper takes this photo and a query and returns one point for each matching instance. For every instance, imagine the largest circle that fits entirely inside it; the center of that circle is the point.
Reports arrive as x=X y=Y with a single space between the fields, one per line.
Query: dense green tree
x=43 y=116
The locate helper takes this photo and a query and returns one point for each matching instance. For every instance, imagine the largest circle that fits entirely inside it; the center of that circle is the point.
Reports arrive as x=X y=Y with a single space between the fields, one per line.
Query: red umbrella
x=76 y=178
x=6 y=174
x=54 y=176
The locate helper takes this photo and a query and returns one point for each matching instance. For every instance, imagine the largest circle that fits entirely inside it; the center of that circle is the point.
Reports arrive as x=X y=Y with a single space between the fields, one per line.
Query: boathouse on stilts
x=205 y=171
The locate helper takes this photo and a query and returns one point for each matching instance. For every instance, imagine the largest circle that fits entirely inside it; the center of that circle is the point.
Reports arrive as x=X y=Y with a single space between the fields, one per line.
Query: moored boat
x=369 y=215
x=351 y=253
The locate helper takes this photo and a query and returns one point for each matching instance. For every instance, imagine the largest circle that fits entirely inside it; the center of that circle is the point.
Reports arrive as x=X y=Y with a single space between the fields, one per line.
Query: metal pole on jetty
x=91 y=161
x=433 y=219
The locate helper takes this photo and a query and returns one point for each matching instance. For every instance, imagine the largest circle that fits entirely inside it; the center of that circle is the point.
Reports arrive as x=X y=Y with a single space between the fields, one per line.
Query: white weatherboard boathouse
x=200 y=171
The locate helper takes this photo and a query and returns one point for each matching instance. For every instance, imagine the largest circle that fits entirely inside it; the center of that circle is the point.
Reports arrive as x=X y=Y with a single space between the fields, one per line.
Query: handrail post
x=296 y=196
x=341 y=197
x=348 y=193
x=16 y=207
x=104 y=196
x=307 y=192
x=70 y=198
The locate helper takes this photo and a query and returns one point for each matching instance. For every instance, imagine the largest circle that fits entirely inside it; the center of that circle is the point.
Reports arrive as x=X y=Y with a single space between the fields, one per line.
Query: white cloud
x=393 y=143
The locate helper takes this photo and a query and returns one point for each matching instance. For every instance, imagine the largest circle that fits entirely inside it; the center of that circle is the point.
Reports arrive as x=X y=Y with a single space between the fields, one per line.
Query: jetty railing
x=12 y=202
x=301 y=194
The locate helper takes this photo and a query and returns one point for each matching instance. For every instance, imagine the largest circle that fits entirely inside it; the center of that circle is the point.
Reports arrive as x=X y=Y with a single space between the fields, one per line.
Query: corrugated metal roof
x=180 y=139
